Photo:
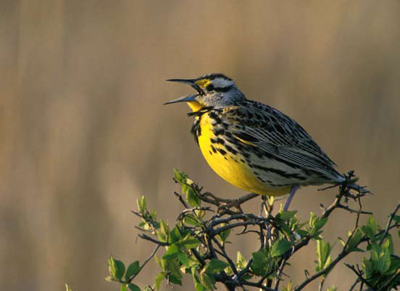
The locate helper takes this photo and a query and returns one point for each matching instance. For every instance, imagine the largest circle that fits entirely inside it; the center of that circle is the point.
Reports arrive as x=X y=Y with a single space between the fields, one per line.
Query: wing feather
x=277 y=134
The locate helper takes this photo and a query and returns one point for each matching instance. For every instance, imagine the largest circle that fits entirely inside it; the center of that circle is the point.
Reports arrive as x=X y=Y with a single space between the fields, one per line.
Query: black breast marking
x=196 y=128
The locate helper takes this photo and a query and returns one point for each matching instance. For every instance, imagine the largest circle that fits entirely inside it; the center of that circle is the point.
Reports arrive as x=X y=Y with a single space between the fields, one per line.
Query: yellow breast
x=230 y=167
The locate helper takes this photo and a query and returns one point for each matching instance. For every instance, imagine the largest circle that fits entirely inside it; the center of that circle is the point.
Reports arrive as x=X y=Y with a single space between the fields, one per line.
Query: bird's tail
x=350 y=184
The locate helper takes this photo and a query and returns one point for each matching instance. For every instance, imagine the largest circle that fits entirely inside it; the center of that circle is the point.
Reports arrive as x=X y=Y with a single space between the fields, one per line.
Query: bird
x=251 y=145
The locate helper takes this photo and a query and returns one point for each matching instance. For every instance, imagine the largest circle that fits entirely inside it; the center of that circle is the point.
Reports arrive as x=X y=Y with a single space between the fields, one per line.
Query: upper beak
x=189 y=98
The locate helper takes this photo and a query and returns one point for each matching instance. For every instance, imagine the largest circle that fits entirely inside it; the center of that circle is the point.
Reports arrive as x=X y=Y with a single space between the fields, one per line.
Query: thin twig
x=359 y=275
x=149 y=238
x=279 y=273
x=389 y=223
x=354 y=284
x=145 y=262
x=353 y=210
x=324 y=271
x=244 y=271
x=225 y=255
x=181 y=200
x=387 y=283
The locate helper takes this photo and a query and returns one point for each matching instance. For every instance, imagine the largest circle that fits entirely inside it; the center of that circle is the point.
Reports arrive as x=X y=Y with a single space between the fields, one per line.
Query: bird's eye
x=210 y=87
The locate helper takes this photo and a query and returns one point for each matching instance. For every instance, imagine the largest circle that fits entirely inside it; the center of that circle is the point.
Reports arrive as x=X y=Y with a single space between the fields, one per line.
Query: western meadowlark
x=251 y=145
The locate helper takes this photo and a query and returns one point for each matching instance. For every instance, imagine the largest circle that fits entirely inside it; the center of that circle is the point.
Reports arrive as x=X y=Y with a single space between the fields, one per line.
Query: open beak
x=189 y=98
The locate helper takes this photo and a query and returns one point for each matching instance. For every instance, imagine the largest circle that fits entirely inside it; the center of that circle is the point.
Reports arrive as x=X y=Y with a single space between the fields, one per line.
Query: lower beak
x=189 y=98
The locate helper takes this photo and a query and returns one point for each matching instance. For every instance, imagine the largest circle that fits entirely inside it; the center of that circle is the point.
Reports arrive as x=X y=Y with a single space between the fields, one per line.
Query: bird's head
x=213 y=90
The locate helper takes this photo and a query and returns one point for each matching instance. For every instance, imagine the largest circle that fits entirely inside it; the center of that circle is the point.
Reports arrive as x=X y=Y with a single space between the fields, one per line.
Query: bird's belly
x=232 y=167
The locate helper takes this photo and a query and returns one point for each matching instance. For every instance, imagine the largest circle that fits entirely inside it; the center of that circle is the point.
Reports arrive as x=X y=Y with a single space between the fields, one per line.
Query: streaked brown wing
x=277 y=134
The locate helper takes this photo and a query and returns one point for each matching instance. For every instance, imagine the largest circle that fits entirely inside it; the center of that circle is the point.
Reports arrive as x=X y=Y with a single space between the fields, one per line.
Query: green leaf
x=380 y=258
x=186 y=184
x=158 y=280
x=388 y=244
x=207 y=281
x=112 y=268
x=197 y=284
x=164 y=228
x=175 y=235
x=133 y=287
x=394 y=267
x=132 y=270
x=180 y=176
x=384 y=262
x=116 y=268
x=260 y=263
x=370 y=228
x=301 y=232
x=280 y=247
x=172 y=252
x=67 y=288
x=163 y=231
x=123 y=288
x=120 y=269
x=315 y=225
x=183 y=259
x=323 y=255
x=354 y=240
x=191 y=220
x=320 y=223
x=375 y=251
x=141 y=204
x=286 y=215
x=175 y=278
x=396 y=218
x=270 y=200
x=313 y=219
x=289 y=286
x=241 y=261
x=153 y=215
x=223 y=236
x=192 y=198
x=368 y=268
x=173 y=273
x=159 y=262
x=189 y=242
x=215 y=266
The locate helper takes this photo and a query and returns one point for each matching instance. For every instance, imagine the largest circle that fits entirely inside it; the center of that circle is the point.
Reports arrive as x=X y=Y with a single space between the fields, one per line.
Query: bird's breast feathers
x=223 y=156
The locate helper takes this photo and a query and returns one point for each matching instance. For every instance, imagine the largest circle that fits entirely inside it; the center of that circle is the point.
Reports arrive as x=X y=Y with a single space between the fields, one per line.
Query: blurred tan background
x=84 y=132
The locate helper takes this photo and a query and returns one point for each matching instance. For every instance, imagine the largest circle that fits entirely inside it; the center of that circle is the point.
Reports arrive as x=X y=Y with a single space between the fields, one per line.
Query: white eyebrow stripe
x=222 y=83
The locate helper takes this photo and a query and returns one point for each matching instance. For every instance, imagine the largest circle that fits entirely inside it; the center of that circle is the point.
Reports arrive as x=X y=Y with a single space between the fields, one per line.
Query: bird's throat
x=195 y=106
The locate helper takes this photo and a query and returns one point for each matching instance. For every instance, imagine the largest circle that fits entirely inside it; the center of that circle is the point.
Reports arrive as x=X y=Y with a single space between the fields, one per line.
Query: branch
x=384 y=286
x=324 y=271
x=388 y=225
x=217 y=201
x=149 y=238
x=359 y=275
x=225 y=255
x=353 y=210
x=269 y=229
x=145 y=262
